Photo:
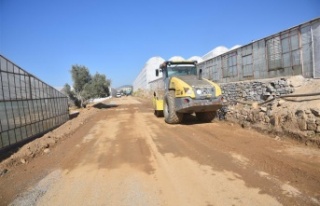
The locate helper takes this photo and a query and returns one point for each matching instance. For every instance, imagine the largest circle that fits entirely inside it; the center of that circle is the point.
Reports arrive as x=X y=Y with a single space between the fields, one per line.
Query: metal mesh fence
x=28 y=106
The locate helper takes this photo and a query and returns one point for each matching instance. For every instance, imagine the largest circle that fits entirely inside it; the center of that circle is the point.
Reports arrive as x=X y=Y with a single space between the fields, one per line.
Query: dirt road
x=124 y=155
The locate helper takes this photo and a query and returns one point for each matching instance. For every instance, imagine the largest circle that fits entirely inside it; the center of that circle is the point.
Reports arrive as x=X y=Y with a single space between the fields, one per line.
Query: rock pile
x=308 y=120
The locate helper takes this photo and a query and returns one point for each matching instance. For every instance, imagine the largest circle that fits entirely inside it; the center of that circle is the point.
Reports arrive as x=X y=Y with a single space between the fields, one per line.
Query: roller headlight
x=199 y=92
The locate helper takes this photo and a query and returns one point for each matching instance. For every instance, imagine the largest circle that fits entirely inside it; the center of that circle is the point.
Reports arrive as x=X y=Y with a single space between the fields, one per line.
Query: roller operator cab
x=185 y=92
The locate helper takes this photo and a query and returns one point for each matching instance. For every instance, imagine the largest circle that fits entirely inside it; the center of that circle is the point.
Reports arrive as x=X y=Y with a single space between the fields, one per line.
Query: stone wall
x=307 y=120
x=256 y=90
x=298 y=117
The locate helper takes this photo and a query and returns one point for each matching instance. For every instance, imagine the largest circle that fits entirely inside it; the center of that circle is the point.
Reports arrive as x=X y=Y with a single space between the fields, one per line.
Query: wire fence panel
x=28 y=106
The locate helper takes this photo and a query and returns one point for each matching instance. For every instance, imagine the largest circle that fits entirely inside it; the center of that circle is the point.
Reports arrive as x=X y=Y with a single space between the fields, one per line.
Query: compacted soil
x=119 y=153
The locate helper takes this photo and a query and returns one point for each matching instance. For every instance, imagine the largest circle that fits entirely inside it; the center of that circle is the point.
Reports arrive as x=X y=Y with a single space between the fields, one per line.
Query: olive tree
x=100 y=85
x=80 y=76
x=86 y=86
x=72 y=99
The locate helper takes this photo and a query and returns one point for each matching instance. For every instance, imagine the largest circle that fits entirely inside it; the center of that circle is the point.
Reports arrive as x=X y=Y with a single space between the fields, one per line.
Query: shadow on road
x=74 y=115
x=191 y=119
x=104 y=106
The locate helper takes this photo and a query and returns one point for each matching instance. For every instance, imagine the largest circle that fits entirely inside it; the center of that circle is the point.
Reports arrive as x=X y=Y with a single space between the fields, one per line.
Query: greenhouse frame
x=28 y=106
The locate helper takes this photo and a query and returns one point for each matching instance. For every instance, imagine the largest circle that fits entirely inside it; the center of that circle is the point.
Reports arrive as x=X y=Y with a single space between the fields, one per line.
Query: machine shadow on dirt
x=104 y=106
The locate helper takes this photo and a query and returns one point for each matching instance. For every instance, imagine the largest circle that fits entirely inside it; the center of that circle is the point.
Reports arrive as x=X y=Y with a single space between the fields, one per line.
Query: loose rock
x=3 y=171
x=47 y=150
x=315 y=112
x=280 y=102
x=264 y=109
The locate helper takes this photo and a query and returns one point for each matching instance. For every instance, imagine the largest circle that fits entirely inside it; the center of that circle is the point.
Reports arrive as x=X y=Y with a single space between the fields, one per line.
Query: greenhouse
x=294 y=51
x=28 y=106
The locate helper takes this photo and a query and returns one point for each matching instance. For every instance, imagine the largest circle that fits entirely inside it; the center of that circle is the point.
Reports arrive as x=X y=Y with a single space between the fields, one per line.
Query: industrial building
x=28 y=106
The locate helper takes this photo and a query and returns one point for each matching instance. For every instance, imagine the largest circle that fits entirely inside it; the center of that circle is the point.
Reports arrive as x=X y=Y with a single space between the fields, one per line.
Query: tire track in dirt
x=130 y=157
x=183 y=181
x=204 y=144
x=115 y=173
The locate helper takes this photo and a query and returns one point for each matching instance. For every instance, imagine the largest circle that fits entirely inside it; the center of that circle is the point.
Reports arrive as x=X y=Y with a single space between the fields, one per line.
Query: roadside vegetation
x=86 y=86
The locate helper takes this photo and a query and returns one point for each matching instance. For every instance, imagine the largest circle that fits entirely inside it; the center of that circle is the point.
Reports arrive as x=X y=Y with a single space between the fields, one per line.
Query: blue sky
x=116 y=38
